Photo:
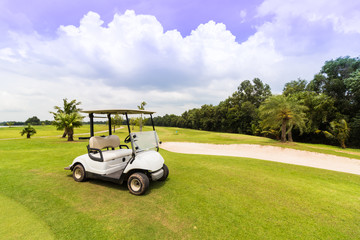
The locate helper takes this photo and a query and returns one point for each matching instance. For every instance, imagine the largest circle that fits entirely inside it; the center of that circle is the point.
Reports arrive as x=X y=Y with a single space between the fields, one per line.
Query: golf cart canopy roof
x=108 y=112
x=117 y=111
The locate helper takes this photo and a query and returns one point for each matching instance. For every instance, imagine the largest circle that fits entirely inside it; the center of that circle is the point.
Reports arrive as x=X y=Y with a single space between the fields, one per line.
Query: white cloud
x=242 y=15
x=311 y=19
x=307 y=33
x=132 y=59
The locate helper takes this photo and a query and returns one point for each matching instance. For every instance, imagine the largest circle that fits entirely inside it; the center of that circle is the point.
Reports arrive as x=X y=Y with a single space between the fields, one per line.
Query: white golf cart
x=109 y=160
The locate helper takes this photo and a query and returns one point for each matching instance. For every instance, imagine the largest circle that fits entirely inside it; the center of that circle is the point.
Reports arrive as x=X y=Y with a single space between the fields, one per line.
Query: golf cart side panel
x=102 y=168
x=147 y=160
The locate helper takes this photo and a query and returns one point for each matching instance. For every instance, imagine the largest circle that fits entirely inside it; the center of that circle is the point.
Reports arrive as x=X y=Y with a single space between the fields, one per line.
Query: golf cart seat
x=96 y=144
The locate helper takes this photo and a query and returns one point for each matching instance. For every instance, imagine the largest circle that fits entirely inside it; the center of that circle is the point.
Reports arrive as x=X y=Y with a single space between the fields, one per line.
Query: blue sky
x=175 y=55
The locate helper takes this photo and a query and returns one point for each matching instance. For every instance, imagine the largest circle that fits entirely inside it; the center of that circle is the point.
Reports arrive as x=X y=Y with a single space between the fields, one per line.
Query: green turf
x=17 y=222
x=205 y=197
x=46 y=131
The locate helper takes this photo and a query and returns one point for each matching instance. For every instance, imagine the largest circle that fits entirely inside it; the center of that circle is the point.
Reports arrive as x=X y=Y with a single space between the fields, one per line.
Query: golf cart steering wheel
x=127 y=139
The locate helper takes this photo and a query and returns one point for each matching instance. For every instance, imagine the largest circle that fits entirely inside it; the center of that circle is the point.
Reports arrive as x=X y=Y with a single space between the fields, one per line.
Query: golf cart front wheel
x=79 y=173
x=138 y=183
x=166 y=173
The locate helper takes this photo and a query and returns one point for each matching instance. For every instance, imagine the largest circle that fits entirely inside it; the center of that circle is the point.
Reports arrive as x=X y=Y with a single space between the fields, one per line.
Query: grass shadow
x=104 y=183
x=158 y=184
x=123 y=186
x=108 y=184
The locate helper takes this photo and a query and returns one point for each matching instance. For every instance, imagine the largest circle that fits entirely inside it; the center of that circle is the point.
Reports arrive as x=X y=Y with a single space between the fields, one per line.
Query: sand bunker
x=270 y=153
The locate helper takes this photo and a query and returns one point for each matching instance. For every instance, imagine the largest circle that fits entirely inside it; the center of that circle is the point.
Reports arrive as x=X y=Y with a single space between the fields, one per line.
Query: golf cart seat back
x=111 y=141
x=96 y=144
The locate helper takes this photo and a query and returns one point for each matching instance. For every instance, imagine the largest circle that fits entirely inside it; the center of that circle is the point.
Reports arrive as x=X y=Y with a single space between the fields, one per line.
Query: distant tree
x=133 y=122
x=339 y=130
x=68 y=108
x=140 y=120
x=28 y=130
x=340 y=68
x=317 y=84
x=355 y=130
x=239 y=111
x=10 y=124
x=46 y=122
x=116 y=120
x=68 y=122
x=255 y=92
x=332 y=81
x=281 y=112
x=352 y=84
x=320 y=109
x=33 y=121
x=294 y=87
x=271 y=133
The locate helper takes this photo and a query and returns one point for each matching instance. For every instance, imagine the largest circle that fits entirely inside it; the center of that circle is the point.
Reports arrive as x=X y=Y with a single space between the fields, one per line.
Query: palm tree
x=141 y=107
x=29 y=131
x=68 y=122
x=68 y=108
x=282 y=112
x=339 y=131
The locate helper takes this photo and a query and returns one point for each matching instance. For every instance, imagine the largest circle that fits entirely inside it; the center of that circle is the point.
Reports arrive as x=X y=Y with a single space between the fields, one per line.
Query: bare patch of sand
x=270 y=153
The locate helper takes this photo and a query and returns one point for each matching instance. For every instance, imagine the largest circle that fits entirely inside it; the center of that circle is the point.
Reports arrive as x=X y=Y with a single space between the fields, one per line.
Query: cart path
x=76 y=134
x=270 y=153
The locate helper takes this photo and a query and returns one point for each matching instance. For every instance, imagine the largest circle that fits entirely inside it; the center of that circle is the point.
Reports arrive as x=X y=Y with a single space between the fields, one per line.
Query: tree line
x=323 y=110
x=32 y=120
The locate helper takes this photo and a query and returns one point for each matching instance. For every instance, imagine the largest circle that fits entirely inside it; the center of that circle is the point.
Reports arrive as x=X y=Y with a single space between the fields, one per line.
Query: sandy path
x=270 y=153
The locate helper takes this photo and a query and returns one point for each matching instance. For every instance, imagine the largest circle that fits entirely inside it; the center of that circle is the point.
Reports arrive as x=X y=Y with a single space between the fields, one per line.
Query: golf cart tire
x=138 y=183
x=79 y=173
x=166 y=173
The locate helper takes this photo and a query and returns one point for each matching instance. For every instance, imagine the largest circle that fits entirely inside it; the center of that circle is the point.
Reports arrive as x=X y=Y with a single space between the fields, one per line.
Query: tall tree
x=295 y=87
x=281 y=112
x=355 y=130
x=352 y=84
x=255 y=92
x=242 y=105
x=332 y=81
x=68 y=108
x=141 y=107
x=28 y=130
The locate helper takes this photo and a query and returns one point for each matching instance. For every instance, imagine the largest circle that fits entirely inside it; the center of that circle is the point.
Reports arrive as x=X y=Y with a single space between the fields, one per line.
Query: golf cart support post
x=125 y=112
x=116 y=111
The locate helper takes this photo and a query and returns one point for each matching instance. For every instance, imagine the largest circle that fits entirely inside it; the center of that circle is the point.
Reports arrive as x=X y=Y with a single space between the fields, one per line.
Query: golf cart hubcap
x=135 y=185
x=77 y=173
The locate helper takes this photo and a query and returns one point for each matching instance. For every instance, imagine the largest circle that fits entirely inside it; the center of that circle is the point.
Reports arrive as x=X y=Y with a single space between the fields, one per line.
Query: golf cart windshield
x=145 y=140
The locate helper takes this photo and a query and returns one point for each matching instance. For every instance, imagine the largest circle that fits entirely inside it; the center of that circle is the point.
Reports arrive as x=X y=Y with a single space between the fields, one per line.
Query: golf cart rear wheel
x=166 y=173
x=138 y=183
x=79 y=173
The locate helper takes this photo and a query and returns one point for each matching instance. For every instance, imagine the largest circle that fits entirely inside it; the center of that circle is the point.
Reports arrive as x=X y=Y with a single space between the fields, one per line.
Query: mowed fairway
x=205 y=197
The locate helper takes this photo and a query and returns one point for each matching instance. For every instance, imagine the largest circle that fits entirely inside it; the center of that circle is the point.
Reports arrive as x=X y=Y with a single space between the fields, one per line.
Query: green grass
x=17 y=222
x=45 y=131
x=205 y=197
